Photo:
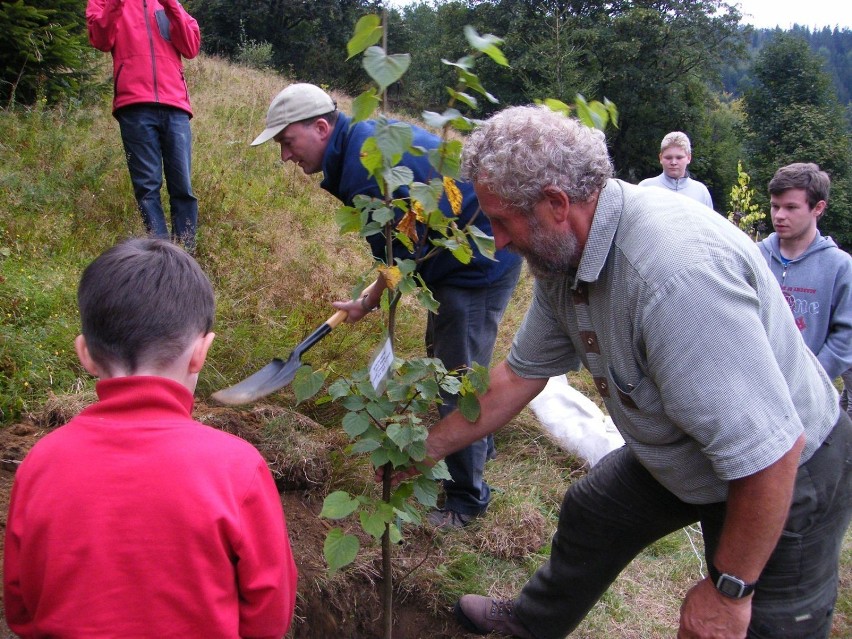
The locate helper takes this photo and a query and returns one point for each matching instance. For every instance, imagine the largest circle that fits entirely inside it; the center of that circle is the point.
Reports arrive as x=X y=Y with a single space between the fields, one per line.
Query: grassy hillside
x=268 y=242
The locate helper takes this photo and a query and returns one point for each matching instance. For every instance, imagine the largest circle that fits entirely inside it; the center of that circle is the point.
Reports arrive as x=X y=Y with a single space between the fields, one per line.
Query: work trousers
x=463 y=332
x=618 y=509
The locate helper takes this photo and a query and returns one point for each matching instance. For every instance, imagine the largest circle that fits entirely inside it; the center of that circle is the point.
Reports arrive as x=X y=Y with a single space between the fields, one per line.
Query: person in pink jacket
x=147 y=40
x=133 y=520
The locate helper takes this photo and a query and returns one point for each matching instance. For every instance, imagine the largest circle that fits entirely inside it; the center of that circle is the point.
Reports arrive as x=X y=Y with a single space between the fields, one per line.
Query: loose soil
x=347 y=606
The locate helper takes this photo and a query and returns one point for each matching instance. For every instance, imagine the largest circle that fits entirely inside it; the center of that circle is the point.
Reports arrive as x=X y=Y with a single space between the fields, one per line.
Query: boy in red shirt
x=133 y=520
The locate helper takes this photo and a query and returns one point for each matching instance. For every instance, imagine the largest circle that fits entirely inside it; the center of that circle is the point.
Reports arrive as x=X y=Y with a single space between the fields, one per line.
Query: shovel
x=277 y=373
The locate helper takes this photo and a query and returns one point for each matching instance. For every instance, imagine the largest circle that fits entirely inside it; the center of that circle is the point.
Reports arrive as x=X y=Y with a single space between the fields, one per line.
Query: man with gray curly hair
x=728 y=418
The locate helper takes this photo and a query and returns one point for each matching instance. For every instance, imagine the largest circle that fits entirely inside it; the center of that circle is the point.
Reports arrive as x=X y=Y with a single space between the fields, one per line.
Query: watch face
x=731 y=586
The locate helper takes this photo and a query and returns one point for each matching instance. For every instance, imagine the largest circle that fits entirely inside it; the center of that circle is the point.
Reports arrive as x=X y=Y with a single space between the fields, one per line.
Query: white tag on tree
x=381 y=365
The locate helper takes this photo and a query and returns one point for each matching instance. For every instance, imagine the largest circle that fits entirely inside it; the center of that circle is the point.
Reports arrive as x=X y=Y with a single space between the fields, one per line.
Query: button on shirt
x=688 y=339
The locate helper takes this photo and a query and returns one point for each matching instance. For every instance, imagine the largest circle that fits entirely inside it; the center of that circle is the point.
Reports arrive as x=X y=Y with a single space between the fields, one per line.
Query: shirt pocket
x=163 y=24
x=640 y=394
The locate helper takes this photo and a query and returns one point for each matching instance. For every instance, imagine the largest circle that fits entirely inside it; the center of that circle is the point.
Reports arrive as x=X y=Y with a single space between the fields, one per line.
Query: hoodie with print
x=818 y=288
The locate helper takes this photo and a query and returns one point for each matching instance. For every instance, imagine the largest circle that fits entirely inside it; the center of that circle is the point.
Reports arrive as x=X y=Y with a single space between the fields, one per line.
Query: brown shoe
x=448 y=519
x=483 y=615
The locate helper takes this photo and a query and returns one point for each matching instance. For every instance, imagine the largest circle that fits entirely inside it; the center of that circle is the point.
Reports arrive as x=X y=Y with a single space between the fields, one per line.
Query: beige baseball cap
x=295 y=103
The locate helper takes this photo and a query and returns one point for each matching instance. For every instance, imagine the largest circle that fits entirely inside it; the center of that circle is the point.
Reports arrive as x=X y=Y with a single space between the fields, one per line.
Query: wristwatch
x=728 y=585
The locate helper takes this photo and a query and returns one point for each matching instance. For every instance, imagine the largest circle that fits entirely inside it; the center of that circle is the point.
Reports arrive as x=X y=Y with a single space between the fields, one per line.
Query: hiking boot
x=445 y=519
x=483 y=615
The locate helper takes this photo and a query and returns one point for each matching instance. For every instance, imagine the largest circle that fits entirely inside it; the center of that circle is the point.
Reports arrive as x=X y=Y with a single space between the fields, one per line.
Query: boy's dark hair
x=802 y=175
x=142 y=302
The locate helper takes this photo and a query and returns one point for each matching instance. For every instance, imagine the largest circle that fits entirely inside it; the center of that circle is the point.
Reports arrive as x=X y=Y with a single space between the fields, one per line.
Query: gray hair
x=521 y=151
x=676 y=138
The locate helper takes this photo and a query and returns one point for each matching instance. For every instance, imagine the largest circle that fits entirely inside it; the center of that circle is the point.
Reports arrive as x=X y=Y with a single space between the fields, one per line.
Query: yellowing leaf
x=391 y=274
x=408 y=224
x=417 y=207
x=453 y=195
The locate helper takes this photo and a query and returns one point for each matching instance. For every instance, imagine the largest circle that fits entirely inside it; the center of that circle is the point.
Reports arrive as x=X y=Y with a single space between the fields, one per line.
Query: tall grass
x=268 y=242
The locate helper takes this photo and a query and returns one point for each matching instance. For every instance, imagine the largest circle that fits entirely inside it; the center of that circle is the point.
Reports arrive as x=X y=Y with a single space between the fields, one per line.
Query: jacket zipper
x=151 y=44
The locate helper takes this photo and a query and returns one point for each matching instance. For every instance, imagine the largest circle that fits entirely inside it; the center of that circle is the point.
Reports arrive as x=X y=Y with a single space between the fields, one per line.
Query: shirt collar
x=604 y=225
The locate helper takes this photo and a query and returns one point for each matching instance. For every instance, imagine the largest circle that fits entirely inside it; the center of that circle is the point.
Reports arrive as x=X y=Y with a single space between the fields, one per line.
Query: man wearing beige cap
x=304 y=120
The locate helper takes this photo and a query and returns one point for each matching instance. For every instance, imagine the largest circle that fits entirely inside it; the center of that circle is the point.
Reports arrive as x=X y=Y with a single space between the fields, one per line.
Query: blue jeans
x=158 y=139
x=618 y=509
x=463 y=332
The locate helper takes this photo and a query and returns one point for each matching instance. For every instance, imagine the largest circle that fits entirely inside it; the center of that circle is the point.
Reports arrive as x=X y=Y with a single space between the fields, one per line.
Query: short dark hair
x=802 y=175
x=330 y=117
x=142 y=302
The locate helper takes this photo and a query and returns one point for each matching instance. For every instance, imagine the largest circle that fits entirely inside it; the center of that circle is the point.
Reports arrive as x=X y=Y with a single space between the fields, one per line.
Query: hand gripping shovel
x=277 y=373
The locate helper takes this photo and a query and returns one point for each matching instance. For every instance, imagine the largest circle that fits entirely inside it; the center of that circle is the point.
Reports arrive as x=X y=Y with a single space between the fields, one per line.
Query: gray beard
x=552 y=255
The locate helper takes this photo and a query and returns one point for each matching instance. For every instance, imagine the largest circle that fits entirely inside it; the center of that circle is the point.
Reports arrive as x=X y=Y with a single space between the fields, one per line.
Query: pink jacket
x=147 y=39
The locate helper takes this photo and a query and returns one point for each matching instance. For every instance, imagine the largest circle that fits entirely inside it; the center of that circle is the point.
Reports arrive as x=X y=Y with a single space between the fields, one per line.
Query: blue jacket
x=818 y=288
x=345 y=177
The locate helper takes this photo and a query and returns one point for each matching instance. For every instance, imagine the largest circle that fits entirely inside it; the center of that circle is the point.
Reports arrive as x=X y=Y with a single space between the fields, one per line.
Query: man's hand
x=399 y=476
x=708 y=614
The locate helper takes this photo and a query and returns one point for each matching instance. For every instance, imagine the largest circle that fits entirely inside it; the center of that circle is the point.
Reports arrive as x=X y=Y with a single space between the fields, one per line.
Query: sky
x=785 y=13
x=781 y=13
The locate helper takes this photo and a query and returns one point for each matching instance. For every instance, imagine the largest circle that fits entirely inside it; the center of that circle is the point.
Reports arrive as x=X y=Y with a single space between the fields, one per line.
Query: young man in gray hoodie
x=814 y=273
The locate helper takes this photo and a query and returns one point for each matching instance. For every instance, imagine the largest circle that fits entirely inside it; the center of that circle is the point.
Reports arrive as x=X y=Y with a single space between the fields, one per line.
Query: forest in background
x=764 y=98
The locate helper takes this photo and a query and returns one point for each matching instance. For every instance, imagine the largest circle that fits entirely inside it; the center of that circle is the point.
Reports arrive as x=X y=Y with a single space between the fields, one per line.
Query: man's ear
x=558 y=203
x=819 y=209
x=324 y=129
x=85 y=357
x=199 y=352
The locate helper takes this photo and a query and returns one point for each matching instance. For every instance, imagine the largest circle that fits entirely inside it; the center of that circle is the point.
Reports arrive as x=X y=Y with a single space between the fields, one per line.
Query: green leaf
x=479 y=378
x=365 y=105
x=339 y=549
x=406 y=241
x=393 y=139
x=468 y=406
x=426 y=491
x=339 y=388
x=349 y=219
x=373 y=524
x=427 y=194
x=438 y=471
x=487 y=44
x=368 y=31
x=397 y=176
x=472 y=81
x=355 y=424
x=365 y=446
x=417 y=450
x=446 y=159
x=371 y=157
x=338 y=505
x=307 y=383
x=379 y=457
x=398 y=458
x=399 y=434
x=428 y=388
x=424 y=297
x=383 y=215
x=464 y=98
x=385 y=69
x=483 y=241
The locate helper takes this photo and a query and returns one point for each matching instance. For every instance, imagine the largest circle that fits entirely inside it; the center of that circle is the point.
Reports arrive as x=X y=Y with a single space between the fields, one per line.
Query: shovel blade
x=272 y=377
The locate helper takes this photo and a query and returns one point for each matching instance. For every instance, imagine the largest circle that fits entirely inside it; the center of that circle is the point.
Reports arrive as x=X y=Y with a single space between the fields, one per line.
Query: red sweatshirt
x=134 y=521
x=147 y=39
